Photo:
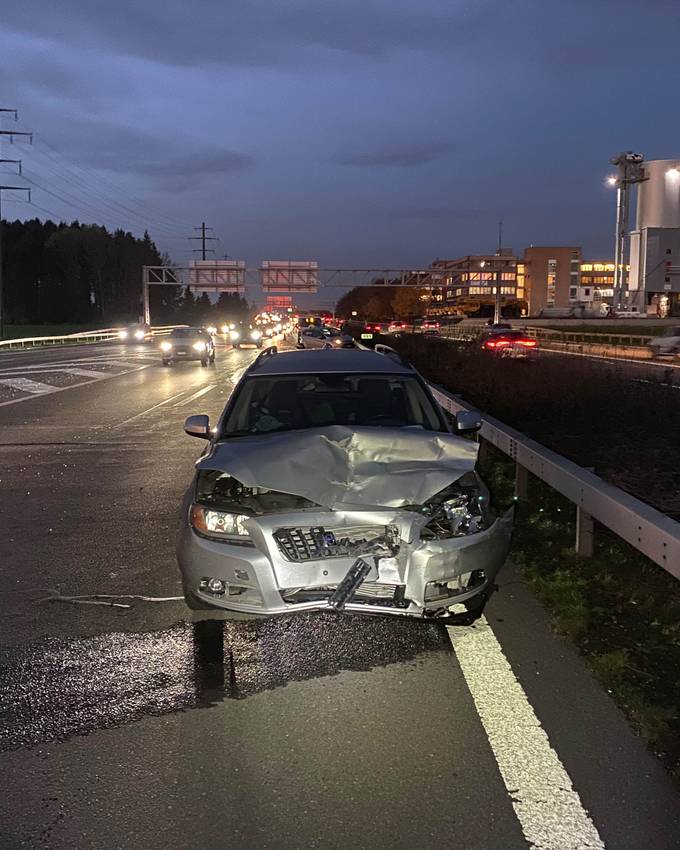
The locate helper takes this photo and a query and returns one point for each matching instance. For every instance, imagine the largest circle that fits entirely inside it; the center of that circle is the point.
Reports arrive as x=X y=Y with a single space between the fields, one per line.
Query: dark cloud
x=270 y=33
x=320 y=128
x=190 y=172
x=400 y=157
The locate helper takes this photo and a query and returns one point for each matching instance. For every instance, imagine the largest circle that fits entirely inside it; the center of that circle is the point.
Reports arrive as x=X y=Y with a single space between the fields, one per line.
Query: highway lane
x=156 y=727
x=666 y=370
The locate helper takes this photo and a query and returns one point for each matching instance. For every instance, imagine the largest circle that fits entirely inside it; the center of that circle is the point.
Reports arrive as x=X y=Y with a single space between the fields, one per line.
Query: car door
x=308 y=338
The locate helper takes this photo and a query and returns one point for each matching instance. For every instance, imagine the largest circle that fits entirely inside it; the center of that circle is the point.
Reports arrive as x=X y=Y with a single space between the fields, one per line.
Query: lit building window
x=586 y=267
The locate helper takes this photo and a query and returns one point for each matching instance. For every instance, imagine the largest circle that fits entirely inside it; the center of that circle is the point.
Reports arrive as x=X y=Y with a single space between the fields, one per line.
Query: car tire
x=237 y=345
x=475 y=606
x=204 y=362
x=166 y=362
x=212 y=359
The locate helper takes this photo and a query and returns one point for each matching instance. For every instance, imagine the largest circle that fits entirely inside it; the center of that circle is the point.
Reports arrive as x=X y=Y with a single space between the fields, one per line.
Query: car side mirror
x=468 y=421
x=198 y=426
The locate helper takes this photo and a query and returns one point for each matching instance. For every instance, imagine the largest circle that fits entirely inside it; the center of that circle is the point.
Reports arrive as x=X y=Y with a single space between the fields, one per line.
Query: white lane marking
x=70 y=387
x=27 y=386
x=149 y=409
x=60 y=367
x=195 y=395
x=548 y=808
x=85 y=373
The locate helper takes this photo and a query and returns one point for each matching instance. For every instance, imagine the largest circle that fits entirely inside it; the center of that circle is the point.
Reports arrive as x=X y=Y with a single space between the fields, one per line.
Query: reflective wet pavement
x=53 y=689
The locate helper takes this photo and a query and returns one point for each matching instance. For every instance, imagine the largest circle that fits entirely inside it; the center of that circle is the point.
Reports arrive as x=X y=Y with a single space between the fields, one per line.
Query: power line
x=80 y=199
x=53 y=153
x=121 y=210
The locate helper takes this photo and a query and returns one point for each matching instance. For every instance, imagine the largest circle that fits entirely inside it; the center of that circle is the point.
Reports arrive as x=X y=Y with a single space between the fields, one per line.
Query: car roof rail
x=268 y=352
x=393 y=354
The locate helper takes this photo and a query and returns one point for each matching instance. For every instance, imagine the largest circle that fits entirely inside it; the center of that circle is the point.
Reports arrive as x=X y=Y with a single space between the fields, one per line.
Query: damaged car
x=333 y=480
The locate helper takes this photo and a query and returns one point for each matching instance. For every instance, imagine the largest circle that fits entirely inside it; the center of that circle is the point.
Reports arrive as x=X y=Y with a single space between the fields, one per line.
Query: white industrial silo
x=655 y=242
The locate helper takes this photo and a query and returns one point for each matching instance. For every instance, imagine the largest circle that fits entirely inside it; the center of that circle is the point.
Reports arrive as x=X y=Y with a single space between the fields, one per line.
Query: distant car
x=135 y=333
x=323 y=337
x=188 y=344
x=371 y=329
x=399 y=327
x=245 y=333
x=426 y=326
x=211 y=329
x=509 y=343
x=668 y=344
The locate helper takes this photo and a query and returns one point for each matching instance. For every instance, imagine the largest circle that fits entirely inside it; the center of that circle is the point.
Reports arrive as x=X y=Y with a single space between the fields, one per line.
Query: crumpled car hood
x=339 y=467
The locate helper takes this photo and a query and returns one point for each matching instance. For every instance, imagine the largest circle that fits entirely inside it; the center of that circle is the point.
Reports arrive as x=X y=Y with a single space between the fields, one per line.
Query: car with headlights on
x=135 y=333
x=246 y=333
x=188 y=344
x=333 y=480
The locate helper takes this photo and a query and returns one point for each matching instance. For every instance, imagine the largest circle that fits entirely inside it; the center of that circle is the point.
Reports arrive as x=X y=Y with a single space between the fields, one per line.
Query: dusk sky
x=363 y=132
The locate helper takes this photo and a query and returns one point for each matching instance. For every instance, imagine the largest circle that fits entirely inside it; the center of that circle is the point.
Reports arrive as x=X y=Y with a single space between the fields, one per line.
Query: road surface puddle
x=54 y=688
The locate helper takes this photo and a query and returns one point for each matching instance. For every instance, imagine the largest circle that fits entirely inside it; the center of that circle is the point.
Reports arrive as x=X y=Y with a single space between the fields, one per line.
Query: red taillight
x=490 y=344
x=527 y=343
x=500 y=343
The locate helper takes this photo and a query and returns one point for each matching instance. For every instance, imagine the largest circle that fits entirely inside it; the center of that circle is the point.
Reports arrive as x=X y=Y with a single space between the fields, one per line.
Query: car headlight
x=139 y=334
x=225 y=329
x=212 y=329
x=221 y=525
x=166 y=346
x=235 y=335
x=199 y=346
x=122 y=334
x=255 y=334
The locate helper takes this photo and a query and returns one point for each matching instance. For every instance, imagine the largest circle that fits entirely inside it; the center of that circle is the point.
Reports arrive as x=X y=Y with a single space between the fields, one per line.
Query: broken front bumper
x=270 y=575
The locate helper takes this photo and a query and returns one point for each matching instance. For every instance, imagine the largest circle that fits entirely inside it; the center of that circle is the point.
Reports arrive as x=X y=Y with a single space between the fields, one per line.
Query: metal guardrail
x=649 y=531
x=80 y=338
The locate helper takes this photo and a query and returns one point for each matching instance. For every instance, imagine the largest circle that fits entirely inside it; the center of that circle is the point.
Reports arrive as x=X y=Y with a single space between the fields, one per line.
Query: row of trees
x=383 y=302
x=82 y=273
x=75 y=273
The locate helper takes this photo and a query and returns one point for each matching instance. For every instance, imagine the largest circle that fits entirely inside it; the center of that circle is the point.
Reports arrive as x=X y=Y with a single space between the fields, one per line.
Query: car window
x=286 y=402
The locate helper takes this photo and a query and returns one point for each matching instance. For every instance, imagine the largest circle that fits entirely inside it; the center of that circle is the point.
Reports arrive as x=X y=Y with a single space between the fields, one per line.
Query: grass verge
x=620 y=609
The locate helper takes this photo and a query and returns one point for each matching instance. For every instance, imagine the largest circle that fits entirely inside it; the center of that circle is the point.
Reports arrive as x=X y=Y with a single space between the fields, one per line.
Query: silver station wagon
x=334 y=480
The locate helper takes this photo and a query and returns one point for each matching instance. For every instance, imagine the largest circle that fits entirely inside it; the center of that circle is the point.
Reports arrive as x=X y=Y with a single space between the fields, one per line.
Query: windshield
x=185 y=333
x=286 y=402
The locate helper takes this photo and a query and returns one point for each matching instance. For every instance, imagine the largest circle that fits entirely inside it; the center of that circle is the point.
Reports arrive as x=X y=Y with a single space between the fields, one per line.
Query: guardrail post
x=521 y=481
x=584 y=533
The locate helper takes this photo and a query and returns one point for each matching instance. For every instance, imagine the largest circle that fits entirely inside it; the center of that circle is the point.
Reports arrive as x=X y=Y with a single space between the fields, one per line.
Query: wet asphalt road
x=154 y=727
